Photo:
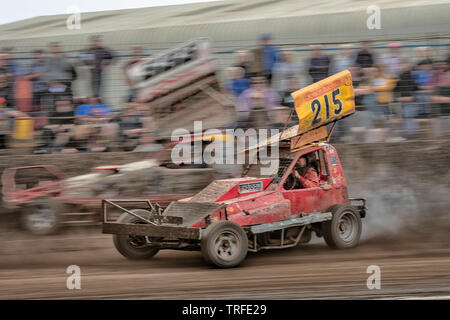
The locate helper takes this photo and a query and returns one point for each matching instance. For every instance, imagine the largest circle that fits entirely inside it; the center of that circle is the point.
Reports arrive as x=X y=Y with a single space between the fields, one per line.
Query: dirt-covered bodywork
x=269 y=212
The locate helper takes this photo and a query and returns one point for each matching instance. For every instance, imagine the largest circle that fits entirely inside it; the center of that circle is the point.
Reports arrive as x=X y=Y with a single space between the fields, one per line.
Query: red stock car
x=233 y=216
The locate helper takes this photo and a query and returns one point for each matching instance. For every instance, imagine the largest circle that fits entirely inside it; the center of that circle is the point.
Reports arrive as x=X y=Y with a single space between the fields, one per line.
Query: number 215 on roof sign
x=325 y=101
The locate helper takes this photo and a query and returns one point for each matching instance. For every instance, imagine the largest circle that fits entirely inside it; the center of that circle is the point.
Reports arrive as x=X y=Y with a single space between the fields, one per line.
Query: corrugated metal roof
x=264 y=13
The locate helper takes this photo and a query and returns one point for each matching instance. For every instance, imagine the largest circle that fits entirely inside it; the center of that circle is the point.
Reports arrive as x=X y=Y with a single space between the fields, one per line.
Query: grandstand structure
x=233 y=25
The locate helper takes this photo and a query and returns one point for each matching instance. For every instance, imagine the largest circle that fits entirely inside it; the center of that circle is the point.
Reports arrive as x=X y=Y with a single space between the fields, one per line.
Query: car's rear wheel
x=42 y=217
x=224 y=244
x=344 y=229
x=130 y=246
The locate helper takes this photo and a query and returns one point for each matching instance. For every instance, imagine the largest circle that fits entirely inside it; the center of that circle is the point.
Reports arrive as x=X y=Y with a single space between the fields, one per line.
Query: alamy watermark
x=74 y=280
x=374 y=19
x=228 y=150
x=374 y=280
x=73 y=22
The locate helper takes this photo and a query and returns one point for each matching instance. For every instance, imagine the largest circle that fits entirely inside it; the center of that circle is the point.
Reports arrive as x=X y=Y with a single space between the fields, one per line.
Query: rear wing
x=324 y=102
x=317 y=106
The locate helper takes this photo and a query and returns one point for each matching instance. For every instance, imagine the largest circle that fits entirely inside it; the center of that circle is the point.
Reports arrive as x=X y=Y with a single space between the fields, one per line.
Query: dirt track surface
x=35 y=268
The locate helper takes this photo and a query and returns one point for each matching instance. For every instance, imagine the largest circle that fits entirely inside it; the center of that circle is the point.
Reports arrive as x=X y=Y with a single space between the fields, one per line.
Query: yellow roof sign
x=325 y=101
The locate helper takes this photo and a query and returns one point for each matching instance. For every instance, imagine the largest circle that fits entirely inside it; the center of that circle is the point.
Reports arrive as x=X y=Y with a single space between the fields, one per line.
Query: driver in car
x=305 y=173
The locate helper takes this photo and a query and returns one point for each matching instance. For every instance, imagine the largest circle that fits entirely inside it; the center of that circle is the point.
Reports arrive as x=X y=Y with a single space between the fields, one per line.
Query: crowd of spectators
x=387 y=87
x=260 y=81
x=63 y=122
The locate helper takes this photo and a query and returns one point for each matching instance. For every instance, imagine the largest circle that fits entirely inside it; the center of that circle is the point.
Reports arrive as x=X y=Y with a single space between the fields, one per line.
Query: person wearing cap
x=98 y=58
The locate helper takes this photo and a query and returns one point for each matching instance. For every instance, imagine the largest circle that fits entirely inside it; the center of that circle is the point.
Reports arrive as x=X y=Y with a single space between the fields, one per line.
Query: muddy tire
x=224 y=244
x=133 y=247
x=344 y=229
x=42 y=217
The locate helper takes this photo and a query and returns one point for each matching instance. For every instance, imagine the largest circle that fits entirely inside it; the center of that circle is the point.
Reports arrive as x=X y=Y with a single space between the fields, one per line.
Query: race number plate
x=251 y=187
x=325 y=101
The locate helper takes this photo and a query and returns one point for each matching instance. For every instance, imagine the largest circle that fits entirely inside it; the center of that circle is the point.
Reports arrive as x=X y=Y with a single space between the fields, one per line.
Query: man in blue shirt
x=269 y=55
x=237 y=83
x=95 y=111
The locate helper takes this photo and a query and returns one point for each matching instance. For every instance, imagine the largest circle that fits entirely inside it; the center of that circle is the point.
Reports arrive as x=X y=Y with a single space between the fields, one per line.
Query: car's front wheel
x=344 y=229
x=224 y=244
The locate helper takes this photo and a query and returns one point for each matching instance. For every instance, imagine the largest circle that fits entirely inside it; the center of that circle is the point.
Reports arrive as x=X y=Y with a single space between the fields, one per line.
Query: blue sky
x=23 y=9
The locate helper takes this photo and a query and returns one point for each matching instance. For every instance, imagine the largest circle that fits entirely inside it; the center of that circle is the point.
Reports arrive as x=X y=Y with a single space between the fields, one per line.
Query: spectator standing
x=267 y=56
x=292 y=85
x=285 y=72
x=357 y=79
x=319 y=64
x=58 y=74
x=345 y=58
x=448 y=54
x=364 y=57
x=405 y=90
x=442 y=94
x=393 y=60
x=15 y=72
x=12 y=64
x=342 y=131
x=98 y=58
x=423 y=76
x=258 y=97
x=378 y=94
x=35 y=74
x=137 y=55
x=439 y=70
x=5 y=81
x=424 y=55
x=244 y=60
